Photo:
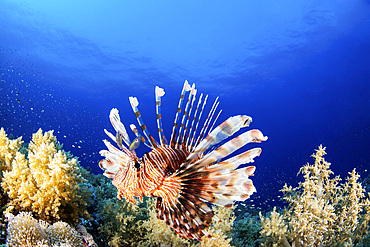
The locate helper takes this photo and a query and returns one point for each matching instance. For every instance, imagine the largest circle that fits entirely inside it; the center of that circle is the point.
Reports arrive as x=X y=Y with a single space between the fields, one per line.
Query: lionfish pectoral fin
x=220 y=133
x=209 y=179
x=110 y=169
x=118 y=125
x=185 y=213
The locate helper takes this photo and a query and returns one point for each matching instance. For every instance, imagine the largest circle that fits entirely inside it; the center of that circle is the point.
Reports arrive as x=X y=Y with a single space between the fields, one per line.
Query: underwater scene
x=185 y=123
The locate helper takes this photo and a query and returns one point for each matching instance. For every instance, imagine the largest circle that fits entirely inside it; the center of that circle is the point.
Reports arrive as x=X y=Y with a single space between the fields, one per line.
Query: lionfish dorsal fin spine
x=196 y=127
x=192 y=122
x=185 y=88
x=134 y=104
x=207 y=129
x=184 y=116
x=159 y=92
x=187 y=130
x=206 y=123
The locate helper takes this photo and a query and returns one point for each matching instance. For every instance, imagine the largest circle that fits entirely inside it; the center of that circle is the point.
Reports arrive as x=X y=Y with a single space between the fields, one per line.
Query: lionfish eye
x=137 y=165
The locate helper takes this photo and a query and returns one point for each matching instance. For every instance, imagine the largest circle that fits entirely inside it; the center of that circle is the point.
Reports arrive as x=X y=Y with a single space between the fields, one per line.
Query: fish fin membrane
x=182 y=199
x=203 y=179
x=187 y=215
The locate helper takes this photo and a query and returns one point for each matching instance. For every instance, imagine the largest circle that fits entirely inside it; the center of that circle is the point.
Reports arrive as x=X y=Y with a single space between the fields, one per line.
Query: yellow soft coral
x=8 y=149
x=274 y=229
x=321 y=211
x=221 y=229
x=47 y=182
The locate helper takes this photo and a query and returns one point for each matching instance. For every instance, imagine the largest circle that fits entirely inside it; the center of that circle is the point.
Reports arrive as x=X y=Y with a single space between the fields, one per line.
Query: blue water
x=301 y=69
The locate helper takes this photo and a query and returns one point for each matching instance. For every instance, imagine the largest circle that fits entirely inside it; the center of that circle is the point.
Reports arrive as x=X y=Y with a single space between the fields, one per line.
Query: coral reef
x=321 y=211
x=46 y=181
x=44 y=184
x=246 y=231
x=24 y=230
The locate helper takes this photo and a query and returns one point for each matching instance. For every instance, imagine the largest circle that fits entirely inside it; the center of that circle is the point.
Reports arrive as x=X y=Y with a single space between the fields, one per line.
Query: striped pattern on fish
x=185 y=174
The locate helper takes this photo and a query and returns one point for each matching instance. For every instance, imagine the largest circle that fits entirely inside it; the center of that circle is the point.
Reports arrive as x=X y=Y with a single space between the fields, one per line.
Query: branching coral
x=47 y=181
x=60 y=233
x=274 y=229
x=24 y=230
x=321 y=211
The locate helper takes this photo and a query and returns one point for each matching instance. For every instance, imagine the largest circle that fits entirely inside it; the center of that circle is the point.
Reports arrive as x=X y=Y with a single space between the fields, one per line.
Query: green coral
x=246 y=232
x=47 y=181
x=321 y=211
x=119 y=220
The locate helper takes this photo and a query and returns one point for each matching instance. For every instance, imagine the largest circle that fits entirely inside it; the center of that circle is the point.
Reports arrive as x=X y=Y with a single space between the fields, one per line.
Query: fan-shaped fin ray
x=192 y=122
x=118 y=125
x=228 y=148
x=134 y=104
x=159 y=92
x=184 y=116
x=220 y=133
x=206 y=123
x=185 y=88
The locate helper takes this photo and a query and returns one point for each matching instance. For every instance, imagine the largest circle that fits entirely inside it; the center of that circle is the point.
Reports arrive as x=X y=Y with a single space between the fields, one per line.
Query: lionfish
x=187 y=174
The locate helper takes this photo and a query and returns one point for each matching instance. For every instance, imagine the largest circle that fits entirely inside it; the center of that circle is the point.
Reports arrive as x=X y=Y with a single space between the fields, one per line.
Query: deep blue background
x=301 y=69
